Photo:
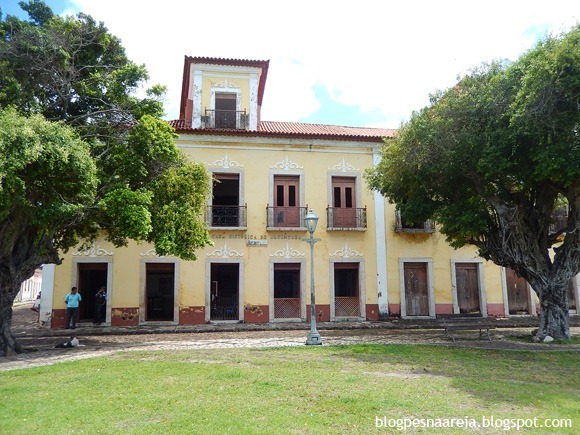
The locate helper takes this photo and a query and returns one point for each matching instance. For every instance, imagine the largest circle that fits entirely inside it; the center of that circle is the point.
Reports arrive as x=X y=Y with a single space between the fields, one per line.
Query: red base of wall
x=443 y=308
x=58 y=319
x=125 y=317
x=394 y=310
x=322 y=313
x=372 y=312
x=495 y=310
x=192 y=315
x=256 y=313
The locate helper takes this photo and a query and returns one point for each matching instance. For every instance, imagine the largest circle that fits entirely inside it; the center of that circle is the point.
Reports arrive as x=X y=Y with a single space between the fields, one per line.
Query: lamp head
x=311 y=221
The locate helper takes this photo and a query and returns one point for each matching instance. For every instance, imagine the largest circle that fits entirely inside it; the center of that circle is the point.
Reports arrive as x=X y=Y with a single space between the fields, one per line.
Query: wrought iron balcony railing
x=227 y=216
x=340 y=218
x=286 y=217
x=235 y=119
x=401 y=226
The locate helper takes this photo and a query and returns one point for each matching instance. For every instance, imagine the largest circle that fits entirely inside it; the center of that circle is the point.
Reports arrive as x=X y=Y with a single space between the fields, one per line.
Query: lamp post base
x=313 y=338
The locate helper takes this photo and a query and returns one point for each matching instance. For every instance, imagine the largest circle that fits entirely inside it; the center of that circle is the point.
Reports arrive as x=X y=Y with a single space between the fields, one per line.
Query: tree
x=491 y=159
x=81 y=156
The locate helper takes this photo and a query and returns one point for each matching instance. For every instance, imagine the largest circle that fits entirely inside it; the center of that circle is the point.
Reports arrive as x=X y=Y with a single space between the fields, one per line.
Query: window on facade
x=226 y=201
x=225 y=110
x=344 y=212
x=286 y=210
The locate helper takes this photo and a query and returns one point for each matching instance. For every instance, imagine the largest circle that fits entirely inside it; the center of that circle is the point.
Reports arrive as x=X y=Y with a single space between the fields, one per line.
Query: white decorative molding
x=93 y=251
x=226 y=84
x=225 y=252
x=286 y=164
x=150 y=253
x=225 y=163
x=287 y=252
x=346 y=252
x=343 y=167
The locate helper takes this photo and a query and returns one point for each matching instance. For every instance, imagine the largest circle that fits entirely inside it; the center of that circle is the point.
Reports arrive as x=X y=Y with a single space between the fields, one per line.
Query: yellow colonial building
x=368 y=264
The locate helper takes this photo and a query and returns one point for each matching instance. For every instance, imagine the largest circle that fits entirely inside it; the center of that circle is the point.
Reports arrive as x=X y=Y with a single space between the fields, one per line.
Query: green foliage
x=120 y=171
x=46 y=177
x=505 y=136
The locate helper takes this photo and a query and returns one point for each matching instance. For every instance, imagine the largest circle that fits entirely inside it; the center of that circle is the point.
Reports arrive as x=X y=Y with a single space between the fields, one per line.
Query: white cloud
x=383 y=55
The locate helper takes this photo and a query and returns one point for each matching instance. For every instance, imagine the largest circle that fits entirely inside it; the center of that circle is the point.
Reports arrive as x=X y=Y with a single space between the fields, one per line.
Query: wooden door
x=518 y=293
x=286 y=200
x=416 y=289
x=467 y=280
x=343 y=202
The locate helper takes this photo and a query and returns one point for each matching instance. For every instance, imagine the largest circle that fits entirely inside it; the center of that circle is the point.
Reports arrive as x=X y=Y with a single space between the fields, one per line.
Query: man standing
x=72 y=308
x=100 y=303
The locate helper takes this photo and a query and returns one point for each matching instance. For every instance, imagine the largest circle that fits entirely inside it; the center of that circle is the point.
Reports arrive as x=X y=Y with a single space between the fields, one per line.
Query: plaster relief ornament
x=225 y=252
x=344 y=167
x=286 y=165
x=346 y=252
x=225 y=163
x=287 y=252
x=93 y=251
x=226 y=84
x=150 y=253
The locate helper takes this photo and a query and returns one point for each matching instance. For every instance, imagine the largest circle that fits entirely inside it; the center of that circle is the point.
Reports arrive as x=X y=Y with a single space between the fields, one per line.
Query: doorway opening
x=224 y=291
x=159 y=291
x=91 y=277
x=467 y=280
x=416 y=289
x=287 y=291
x=518 y=294
x=346 y=290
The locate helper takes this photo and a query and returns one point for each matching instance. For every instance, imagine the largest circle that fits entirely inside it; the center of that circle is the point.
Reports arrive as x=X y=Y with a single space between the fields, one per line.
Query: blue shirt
x=72 y=300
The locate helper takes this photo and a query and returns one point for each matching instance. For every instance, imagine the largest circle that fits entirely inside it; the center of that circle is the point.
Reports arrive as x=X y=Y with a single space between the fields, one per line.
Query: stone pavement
x=102 y=340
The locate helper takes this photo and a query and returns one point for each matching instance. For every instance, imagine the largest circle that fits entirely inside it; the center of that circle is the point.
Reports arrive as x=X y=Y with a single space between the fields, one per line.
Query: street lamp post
x=311 y=220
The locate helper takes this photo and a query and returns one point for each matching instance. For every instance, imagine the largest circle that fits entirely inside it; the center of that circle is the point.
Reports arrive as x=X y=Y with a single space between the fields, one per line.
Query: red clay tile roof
x=295 y=130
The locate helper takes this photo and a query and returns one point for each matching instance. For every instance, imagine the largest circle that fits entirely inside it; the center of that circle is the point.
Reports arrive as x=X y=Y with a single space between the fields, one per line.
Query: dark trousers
x=99 y=308
x=71 y=317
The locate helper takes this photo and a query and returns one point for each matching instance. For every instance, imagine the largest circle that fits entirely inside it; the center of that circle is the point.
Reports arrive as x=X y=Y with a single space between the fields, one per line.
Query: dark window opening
x=226 y=200
x=225 y=110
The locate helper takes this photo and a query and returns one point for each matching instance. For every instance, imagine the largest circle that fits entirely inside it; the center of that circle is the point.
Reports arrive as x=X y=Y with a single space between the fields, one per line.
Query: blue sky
x=364 y=63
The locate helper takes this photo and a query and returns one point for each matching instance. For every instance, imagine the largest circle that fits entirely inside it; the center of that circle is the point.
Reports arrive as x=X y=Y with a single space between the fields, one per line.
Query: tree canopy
x=492 y=158
x=81 y=154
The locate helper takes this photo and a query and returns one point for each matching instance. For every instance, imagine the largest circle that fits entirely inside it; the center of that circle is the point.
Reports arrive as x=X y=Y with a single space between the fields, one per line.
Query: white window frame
x=75 y=279
x=302 y=262
x=506 y=305
x=143 y=284
x=208 y=263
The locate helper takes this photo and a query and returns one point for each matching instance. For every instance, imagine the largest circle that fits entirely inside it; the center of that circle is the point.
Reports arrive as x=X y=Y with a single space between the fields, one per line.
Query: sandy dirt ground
x=99 y=341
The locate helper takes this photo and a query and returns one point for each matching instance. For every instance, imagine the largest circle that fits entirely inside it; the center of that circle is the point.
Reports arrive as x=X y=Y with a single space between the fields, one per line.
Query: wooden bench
x=457 y=322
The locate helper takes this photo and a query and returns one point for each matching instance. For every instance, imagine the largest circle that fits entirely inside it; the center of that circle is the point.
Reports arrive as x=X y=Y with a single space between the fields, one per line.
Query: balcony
x=233 y=119
x=226 y=216
x=340 y=218
x=401 y=226
x=286 y=217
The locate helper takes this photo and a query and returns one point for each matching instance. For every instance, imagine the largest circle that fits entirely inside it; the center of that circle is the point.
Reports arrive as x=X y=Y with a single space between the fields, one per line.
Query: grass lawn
x=294 y=390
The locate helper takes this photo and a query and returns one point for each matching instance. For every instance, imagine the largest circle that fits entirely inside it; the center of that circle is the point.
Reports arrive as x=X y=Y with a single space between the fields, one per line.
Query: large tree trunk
x=554 y=318
x=7 y=340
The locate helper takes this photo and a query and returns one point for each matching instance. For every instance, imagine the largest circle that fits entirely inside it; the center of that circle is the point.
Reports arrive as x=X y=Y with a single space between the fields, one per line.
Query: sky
x=363 y=63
